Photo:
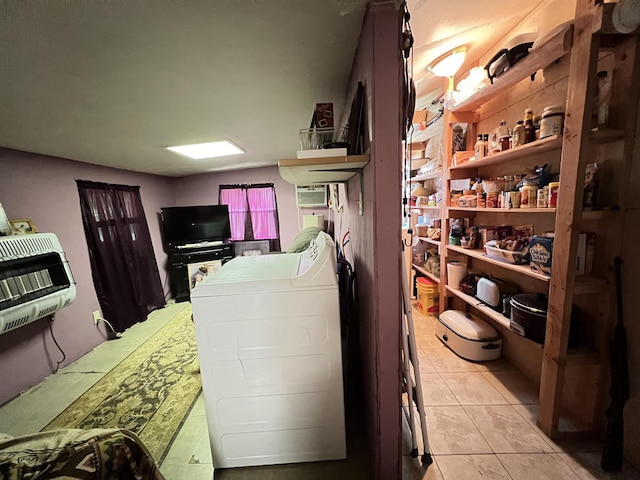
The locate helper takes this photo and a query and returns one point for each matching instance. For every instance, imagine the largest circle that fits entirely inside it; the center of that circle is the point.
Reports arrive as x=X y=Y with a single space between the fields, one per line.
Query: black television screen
x=187 y=225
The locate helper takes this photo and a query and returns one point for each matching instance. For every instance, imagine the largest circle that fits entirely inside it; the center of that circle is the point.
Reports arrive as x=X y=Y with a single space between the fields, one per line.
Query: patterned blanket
x=97 y=454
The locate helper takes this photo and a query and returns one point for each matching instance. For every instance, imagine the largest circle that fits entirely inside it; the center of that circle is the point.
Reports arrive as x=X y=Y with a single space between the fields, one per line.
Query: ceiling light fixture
x=448 y=64
x=207 y=150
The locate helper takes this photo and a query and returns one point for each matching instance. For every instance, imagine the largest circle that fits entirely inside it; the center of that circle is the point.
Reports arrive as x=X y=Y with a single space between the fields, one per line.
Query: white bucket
x=456 y=271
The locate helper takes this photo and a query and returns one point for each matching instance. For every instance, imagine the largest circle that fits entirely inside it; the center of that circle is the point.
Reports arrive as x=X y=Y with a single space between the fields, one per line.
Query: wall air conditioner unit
x=35 y=279
x=311 y=196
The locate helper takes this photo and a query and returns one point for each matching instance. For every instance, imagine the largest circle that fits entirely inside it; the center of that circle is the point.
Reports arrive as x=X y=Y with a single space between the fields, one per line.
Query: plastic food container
x=552 y=121
x=553 y=194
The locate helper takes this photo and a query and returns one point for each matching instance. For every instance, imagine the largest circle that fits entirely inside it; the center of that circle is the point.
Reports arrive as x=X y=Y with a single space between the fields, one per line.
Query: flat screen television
x=188 y=225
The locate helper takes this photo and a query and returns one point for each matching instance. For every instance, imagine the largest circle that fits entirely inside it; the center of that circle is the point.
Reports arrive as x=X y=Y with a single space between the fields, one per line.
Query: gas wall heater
x=311 y=196
x=35 y=279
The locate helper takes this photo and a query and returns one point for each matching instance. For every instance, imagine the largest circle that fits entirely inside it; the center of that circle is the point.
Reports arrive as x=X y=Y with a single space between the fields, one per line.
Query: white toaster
x=490 y=290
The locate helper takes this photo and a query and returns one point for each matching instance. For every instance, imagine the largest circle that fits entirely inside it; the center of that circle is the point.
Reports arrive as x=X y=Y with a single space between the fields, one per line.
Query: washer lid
x=468 y=326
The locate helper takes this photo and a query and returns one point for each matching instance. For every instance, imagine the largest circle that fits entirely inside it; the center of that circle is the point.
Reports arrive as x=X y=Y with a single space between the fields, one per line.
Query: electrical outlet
x=96 y=316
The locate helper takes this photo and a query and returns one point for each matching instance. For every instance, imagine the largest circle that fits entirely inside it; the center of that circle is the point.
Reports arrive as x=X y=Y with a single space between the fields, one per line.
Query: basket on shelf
x=316 y=138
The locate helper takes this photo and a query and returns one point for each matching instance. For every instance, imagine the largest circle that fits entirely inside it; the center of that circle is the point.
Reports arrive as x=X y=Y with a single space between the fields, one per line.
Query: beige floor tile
x=587 y=467
x=513 y=386
x=429 y=340
x=412 y=469
x=498 y=365
x=435 y=391
x=537 y=466
x=451 y=431
x=444 y=360
x=424 y=364
x=471 y=467
x=472 y=388
x=530 y=414
x=505 y=430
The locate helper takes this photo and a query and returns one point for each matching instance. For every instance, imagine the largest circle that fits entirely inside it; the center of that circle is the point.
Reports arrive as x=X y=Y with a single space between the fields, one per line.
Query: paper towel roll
x=456 y=271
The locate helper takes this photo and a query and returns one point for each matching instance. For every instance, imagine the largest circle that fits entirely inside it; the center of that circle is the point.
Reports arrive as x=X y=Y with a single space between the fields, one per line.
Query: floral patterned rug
x=150 y=392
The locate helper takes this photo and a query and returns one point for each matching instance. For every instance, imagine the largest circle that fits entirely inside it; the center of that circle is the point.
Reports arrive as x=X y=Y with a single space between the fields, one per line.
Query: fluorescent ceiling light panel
x=207 y=150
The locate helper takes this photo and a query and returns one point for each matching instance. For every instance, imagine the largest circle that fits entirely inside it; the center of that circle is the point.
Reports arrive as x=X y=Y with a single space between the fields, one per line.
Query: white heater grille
x=35 y=279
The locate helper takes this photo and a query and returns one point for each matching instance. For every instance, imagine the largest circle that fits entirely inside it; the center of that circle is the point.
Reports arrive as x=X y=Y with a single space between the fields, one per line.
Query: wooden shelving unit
x=548 y=144
x=428 y=208
x=481 y=307
x=426 y=176
x=578 y=356
x=502 y=210
x=425 y=273
x=572 y=381
x=556 y=47
x=480 y=255
x=428 y=240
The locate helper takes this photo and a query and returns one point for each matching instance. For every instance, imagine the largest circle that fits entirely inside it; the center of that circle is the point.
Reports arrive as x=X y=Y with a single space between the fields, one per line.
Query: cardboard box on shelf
x=586 y=251
x=540 y=252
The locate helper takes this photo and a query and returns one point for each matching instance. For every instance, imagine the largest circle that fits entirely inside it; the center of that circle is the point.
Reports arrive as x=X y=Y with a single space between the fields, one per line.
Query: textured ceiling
x=113 y=83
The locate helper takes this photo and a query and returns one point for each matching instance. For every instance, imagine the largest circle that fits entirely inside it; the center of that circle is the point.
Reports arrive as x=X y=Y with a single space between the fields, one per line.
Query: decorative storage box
x=540 y=253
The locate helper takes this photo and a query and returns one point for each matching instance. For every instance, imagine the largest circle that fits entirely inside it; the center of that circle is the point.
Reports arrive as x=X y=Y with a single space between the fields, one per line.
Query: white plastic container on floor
x=468 y=336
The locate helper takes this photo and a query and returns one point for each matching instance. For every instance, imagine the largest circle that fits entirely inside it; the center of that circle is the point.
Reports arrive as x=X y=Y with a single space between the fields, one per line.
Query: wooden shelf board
x=478 y=305
x=426 y=176
x=427 y=208
x=606 y=136
x=310 y=171
x=503 y=210
x=426 y=274
x=587 y=285
x=428 y=240
x=599 y=214
x=575 y=356
x=582 y=356
x=480 y=255
x=548 y=144
x=555 y=48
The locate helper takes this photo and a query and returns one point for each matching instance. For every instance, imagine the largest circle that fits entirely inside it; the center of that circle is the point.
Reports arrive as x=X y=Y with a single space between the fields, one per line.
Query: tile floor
x=481 y=423
x=480 y=417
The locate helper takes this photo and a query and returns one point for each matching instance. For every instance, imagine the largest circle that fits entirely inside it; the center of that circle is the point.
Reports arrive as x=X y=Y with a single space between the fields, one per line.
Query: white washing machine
x=268 y=335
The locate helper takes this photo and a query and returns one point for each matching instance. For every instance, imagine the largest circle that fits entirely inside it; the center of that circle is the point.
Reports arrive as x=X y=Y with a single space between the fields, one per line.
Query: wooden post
x=582 y=69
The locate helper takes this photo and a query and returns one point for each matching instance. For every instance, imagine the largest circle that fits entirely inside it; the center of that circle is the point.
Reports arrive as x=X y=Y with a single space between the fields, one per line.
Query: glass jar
x=552 y=121
x=528 y=195
x=518 y=134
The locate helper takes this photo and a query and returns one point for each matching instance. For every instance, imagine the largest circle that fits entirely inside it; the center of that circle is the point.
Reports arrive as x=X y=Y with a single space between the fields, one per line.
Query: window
x=253 y=212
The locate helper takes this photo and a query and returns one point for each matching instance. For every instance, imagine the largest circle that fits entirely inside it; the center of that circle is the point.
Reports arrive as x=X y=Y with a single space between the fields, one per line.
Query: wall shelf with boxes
x=573 y=274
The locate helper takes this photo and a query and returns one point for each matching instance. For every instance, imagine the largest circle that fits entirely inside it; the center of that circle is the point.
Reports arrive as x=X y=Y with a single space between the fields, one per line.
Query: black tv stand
x=180 y=258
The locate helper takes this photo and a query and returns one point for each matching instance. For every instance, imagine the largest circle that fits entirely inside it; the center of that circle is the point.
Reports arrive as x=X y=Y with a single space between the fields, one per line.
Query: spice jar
x=528 y=195
x=553 y=194
x=552 y=121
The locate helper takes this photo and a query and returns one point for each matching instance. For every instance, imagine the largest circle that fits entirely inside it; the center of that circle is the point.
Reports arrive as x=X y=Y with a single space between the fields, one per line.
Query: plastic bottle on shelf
x=518 y=134
x=480 y=148
x=529 y=128
x=485 y=140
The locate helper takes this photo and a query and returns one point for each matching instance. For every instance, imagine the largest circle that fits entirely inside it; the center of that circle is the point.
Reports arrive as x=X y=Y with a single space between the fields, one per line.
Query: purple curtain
x=253 y=212
x=123 y=264
x=262 y=207
x=236 y=200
